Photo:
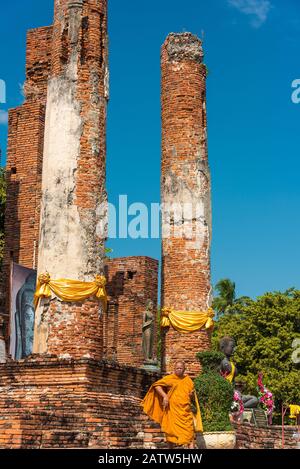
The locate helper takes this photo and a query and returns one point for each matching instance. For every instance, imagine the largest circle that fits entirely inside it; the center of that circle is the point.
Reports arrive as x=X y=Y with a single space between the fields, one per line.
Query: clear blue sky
x=252 y=53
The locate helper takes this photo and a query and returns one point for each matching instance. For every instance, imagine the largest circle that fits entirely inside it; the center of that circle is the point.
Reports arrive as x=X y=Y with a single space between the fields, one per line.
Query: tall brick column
x=185 y=188
x=73 y=183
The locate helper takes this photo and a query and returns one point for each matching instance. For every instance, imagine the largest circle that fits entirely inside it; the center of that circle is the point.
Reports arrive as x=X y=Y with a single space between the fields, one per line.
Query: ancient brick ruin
x=82 y=386
x=185 y=181
x=132 y=281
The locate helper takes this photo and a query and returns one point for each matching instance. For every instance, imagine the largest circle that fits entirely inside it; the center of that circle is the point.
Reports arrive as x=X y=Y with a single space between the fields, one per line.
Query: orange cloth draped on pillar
x=177 y=421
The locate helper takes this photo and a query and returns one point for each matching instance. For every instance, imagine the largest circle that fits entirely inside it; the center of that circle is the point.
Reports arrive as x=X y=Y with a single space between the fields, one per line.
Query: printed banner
x=23 y=283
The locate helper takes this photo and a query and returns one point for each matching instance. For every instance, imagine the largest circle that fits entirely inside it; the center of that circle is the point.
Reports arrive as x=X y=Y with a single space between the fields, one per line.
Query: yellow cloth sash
x=231 y=374
x=177 y=420
x=187 y=321
x=70 y=290
x=294 y=411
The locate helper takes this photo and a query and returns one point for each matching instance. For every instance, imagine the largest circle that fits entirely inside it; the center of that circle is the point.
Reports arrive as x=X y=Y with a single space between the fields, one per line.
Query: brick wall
x=25 y=144
x=131 y=282
x=247 y=437
x=50 y=403
x=251 y=437
x=185 y=179
x=38 y=62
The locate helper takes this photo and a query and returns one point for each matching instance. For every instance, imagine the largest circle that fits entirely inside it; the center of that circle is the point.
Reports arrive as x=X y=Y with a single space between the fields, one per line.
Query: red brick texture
x=25 y=146
x=50 y=403
x=75 y=329
x=247 y=437
x=251 y=437
x=131 y=282
x=38 y=63
x=185 y=177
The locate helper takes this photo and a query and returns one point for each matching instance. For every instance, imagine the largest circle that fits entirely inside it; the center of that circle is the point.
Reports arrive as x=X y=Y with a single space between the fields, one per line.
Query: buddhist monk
x=168 y=402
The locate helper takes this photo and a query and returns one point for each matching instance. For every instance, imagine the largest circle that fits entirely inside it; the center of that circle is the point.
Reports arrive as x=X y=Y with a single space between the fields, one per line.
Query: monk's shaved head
x=179 y=362
x=179 y=368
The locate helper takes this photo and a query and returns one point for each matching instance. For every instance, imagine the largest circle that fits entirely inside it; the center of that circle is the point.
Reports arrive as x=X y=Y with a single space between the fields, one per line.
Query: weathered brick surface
x=74 y=329
x=185 y=179
x=50 y=403
x=131 y=282
x=60 y=47
x=247 y=437
x=92 y=92
x=38 y=63
x=25 y=143
x=251 y=437
x=77 y=89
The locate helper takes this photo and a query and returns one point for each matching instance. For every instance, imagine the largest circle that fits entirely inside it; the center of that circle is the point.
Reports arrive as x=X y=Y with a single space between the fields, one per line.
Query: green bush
x=215 y=394
x=210 y=360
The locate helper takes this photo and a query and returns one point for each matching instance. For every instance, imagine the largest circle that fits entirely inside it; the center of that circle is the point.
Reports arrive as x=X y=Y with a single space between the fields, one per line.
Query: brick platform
x=51 y=403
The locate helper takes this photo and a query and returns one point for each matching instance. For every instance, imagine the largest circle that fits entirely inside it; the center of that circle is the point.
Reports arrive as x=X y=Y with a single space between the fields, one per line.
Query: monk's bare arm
x=162 y=393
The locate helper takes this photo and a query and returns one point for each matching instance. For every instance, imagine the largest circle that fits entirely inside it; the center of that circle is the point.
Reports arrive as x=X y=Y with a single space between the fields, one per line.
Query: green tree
x=264 y=330
x=107 y=251
x=2 y=210
x=226 y=296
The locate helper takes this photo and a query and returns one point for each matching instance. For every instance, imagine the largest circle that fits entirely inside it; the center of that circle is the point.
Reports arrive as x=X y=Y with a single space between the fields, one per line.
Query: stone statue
x=148 y=331
x=229 y=370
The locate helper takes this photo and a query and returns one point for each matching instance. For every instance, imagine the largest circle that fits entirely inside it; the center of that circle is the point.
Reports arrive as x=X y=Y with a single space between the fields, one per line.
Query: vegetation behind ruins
x=265 y=330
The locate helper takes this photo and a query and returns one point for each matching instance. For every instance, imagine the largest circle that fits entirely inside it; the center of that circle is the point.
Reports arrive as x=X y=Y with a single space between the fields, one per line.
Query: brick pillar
x=185 y=188
x=24 y=160
x=73 y=184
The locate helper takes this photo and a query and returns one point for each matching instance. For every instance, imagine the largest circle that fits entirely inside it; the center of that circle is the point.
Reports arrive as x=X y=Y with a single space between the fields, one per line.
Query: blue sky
x=252 y=54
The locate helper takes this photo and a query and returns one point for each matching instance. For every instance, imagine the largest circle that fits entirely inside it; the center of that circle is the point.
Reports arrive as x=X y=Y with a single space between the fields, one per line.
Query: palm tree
x=226 y=296
x=226 y=299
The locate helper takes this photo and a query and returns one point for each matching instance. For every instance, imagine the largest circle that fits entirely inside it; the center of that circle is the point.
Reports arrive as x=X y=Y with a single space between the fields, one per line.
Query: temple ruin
x=83 y=384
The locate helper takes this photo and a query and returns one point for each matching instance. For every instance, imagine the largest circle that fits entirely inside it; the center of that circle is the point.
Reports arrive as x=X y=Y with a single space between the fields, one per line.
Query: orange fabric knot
x=100 y=281
x=44 y=278
x=165 y=312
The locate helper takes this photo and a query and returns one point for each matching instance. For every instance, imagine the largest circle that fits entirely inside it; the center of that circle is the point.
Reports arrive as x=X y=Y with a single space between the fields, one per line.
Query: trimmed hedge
x=215 y=394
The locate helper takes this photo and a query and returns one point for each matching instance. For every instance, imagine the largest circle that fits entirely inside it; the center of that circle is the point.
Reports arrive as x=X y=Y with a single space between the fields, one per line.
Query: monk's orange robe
x=177 y=421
